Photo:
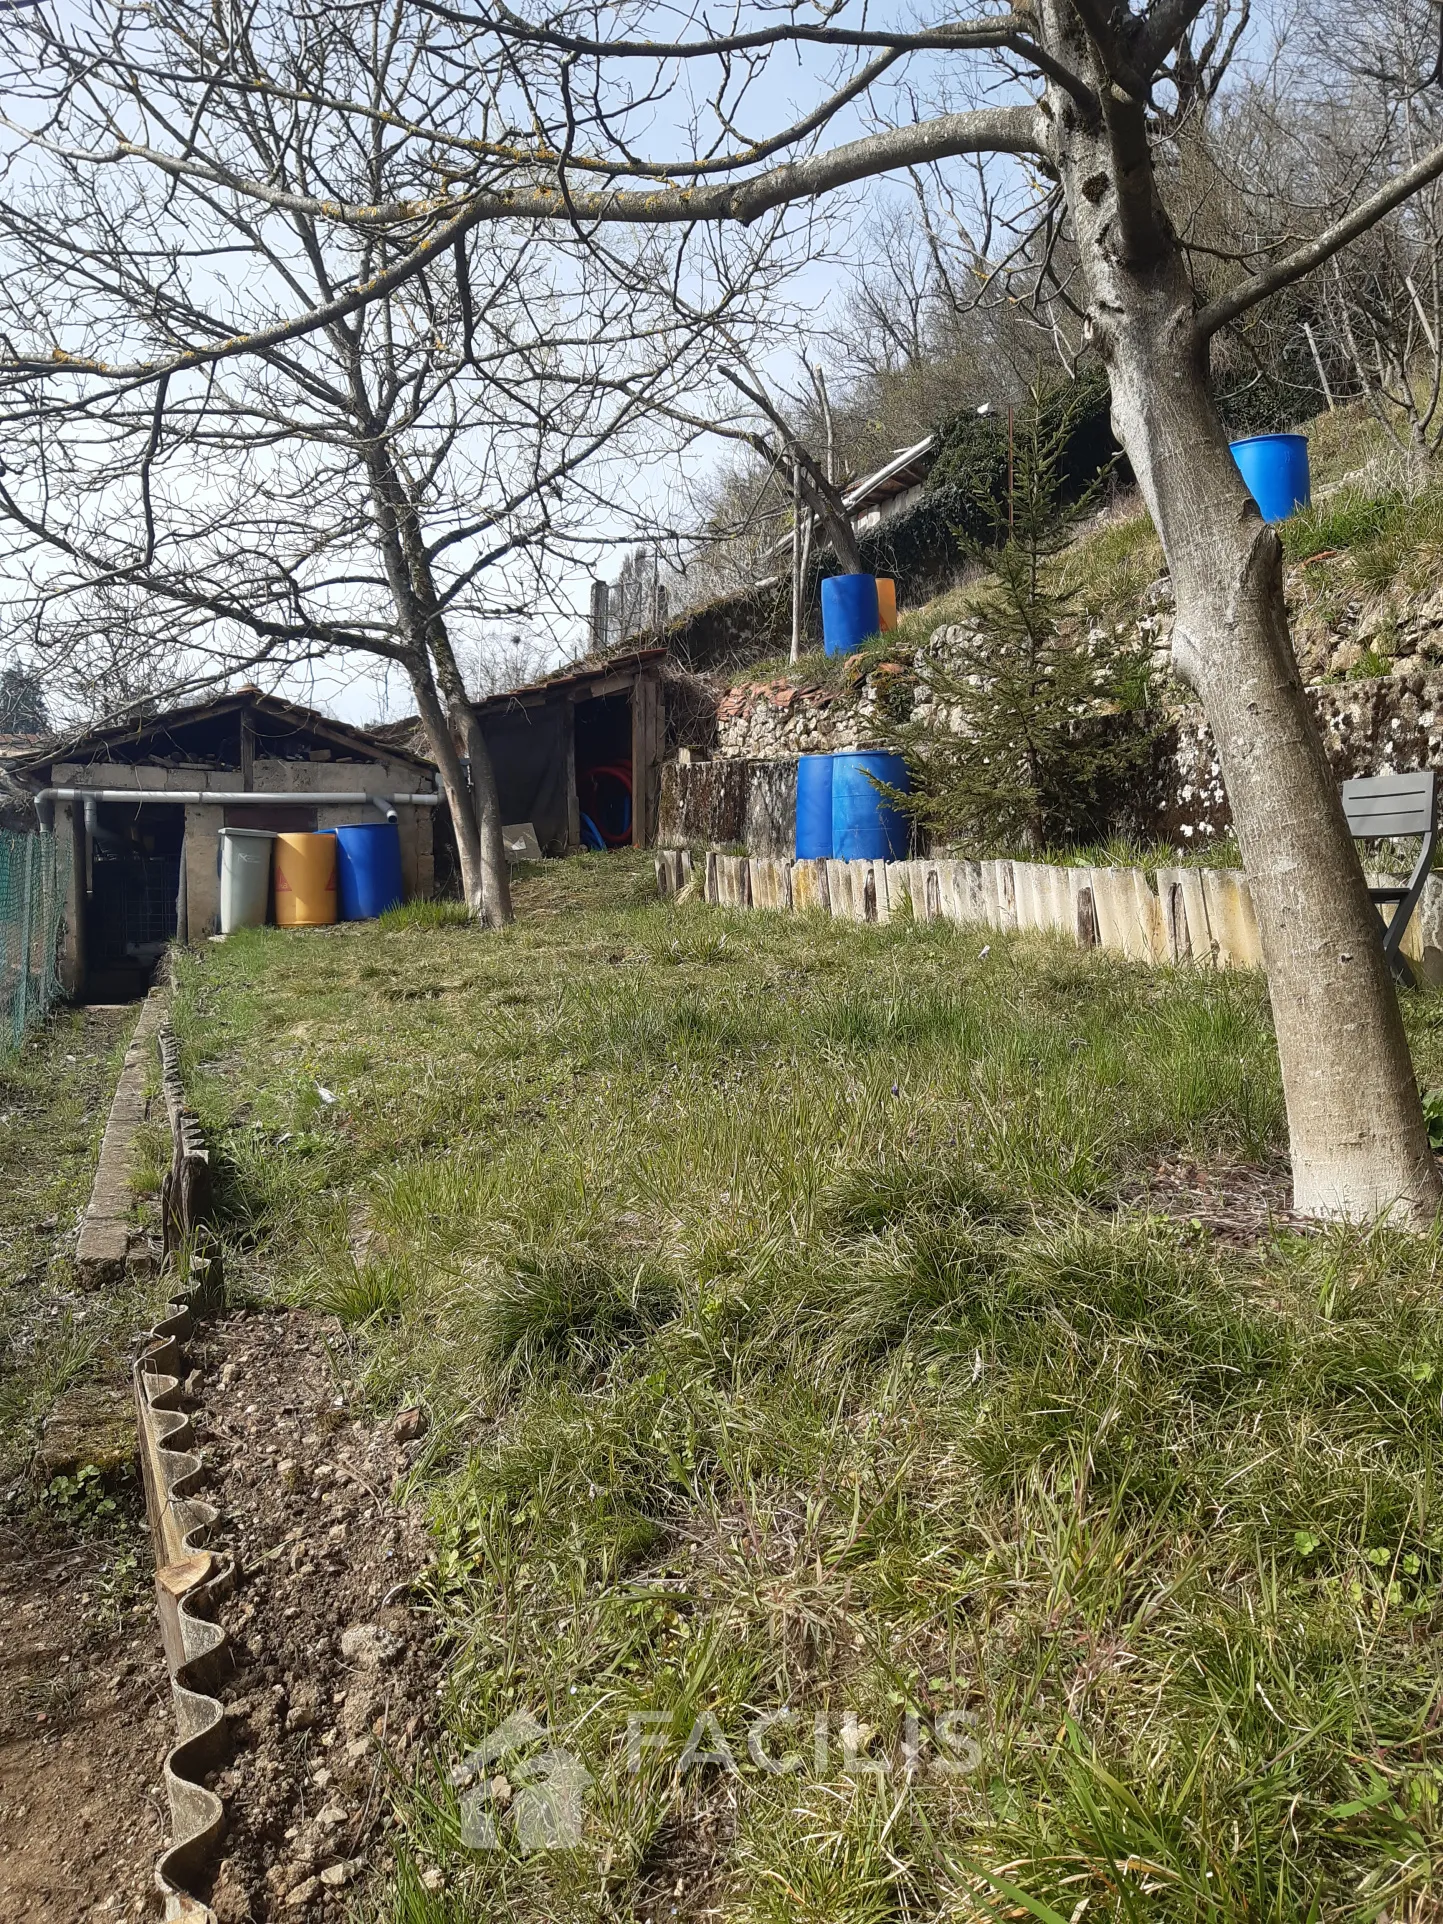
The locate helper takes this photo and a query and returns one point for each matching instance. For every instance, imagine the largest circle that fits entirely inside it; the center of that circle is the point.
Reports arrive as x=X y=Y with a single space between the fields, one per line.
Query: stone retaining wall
x=1388 y=724
x=1391 y=724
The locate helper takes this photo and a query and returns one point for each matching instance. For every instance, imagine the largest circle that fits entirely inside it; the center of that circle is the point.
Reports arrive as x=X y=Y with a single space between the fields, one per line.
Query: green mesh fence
x=34 y=872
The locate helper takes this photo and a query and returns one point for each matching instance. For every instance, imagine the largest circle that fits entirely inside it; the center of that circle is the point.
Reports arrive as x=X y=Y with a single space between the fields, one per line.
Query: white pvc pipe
x=46 y=799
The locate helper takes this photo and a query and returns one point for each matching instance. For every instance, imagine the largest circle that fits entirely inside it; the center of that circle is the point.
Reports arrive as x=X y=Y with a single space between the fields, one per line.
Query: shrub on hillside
x=1073 y=419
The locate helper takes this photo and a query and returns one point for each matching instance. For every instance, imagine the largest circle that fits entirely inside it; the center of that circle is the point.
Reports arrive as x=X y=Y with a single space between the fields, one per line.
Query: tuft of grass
x=571 y=1304
x=1352 y=517
x=1108 y=567
x=436 y=912
x=363 y=1292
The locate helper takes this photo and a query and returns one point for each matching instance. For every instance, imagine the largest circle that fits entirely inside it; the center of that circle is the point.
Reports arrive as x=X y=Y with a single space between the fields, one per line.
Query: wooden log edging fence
x=1171 y=915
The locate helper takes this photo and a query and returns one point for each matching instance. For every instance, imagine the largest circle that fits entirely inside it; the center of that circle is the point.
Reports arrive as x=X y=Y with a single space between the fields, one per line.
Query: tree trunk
x=493 y=906
x=453 y=780
x=475 y=806
x=826 y=503
x=496 y=910
x=1359 y=1144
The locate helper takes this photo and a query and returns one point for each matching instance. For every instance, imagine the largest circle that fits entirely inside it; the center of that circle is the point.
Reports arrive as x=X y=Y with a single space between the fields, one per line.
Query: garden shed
x=579 y=755
x=141 y=803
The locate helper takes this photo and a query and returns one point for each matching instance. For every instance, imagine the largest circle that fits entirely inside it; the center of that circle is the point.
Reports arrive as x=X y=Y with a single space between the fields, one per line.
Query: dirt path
x=84 y=1725
x=333 y=1691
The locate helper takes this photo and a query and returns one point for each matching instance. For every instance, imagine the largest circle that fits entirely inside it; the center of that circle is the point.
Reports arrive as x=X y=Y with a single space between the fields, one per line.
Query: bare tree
x=1078 y=93
x=385 y=485
x=1381 y=306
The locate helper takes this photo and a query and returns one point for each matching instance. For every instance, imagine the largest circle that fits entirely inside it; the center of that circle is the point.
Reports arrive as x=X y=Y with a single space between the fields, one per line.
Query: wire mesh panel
x=132 y=905
x=34 y=874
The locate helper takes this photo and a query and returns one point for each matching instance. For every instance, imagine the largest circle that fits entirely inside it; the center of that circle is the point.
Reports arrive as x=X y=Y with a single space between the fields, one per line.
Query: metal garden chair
x=1379 y=807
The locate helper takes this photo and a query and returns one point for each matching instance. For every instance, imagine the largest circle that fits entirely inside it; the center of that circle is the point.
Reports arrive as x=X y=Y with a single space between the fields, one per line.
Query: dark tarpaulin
x=528 y=751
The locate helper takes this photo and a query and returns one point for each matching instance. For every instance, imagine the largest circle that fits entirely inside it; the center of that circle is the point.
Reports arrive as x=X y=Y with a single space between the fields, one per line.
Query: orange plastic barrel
x=305 y=881
x=886 y=604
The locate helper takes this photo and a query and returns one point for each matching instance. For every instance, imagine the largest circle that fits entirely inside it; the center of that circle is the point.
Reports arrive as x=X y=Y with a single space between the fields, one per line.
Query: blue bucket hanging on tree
x=1275 y=469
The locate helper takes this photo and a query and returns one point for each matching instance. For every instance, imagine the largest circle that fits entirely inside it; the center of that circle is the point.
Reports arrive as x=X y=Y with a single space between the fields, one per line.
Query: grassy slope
x=1372 y=537
x=784 y=1347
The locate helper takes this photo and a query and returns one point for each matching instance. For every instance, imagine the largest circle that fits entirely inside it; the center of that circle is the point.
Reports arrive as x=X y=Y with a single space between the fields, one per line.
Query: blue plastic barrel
x=368 y=869
x=1275 y=468
x=814 y=807
x=865 y=826
x=849 y=612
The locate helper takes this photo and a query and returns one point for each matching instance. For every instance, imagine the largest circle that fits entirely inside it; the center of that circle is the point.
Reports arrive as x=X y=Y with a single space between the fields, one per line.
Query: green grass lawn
x=790 y=1344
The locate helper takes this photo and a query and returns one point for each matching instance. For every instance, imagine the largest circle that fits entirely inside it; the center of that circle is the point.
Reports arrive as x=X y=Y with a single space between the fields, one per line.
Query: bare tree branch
x=1017 y=130
x=1316 y=252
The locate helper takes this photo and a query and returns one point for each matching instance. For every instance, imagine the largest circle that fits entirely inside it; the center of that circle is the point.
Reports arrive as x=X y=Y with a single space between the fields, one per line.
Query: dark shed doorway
x=133 y=884
x=604 y=791
x=528 y=755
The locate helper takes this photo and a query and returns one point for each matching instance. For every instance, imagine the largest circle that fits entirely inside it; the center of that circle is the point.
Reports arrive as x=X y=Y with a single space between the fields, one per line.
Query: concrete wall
x=753 y=803
x=308 y=782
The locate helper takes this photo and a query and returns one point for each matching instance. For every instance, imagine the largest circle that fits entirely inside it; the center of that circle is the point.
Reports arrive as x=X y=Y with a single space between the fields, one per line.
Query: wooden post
x=72 y=958
x=599 y=615
x=1418 y=305
x=247 y=752
x=1087 y=934
x=1318 y=364
x=1010 y=482
x=645 y=757
x=1179 y=932
x=573 y=800
x=796 y=562
x=22 y=998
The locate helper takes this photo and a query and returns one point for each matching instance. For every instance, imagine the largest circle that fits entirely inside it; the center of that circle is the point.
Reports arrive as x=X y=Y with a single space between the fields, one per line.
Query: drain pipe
x=46 y=799
x=91 y=815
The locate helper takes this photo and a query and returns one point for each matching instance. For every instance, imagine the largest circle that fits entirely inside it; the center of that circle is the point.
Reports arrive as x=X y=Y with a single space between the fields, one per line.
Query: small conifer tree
x=1034 y=721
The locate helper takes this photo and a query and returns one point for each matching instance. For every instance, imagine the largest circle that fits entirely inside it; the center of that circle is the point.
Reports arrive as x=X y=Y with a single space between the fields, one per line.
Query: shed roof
x=595 y=675
x=906 y=469
x=587 y=677
x=167 y=733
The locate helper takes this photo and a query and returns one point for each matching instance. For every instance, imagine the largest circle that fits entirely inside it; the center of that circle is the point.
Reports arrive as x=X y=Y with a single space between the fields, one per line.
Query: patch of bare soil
x=85 y=1722
x=333 y=1689
x=1236 y=1203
